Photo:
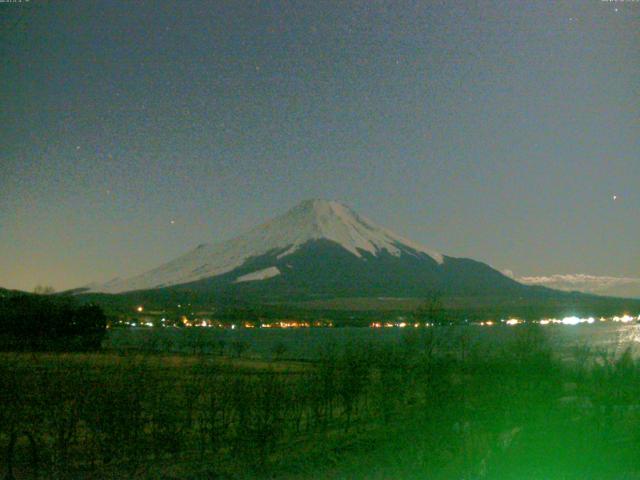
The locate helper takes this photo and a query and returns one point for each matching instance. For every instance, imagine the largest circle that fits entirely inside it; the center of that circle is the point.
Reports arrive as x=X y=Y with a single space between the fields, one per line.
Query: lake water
x=309 y=343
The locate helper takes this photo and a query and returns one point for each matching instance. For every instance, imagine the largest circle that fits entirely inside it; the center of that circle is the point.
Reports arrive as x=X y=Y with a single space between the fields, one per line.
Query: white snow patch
x=259 y=275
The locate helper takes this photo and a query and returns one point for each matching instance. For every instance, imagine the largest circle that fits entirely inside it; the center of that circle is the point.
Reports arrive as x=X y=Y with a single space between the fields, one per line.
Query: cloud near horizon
x=600 y=285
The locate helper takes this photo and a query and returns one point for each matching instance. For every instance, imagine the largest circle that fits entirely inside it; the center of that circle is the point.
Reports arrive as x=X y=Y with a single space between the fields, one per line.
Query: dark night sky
x=501 y=131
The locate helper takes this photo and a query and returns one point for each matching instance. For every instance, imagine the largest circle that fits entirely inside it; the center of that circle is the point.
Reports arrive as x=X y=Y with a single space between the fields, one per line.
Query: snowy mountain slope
x=309 y=221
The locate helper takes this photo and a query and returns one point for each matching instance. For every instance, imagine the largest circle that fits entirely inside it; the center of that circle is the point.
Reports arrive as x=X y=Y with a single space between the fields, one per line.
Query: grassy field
x=411 y=409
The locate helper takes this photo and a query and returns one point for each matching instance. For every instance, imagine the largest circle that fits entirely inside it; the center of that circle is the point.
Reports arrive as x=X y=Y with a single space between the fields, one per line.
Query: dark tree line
x=37 y=323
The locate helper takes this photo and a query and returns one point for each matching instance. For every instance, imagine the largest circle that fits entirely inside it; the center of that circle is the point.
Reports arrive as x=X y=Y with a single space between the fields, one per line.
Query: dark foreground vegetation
x=49 y=323
x=410 y=410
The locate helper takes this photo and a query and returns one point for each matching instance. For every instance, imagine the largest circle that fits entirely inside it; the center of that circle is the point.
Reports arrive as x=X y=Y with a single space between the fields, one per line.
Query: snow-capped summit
x=311 y=220
x=334 y=221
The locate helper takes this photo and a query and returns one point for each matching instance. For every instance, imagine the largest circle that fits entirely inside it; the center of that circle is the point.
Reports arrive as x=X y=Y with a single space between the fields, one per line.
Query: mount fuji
x=318 y=249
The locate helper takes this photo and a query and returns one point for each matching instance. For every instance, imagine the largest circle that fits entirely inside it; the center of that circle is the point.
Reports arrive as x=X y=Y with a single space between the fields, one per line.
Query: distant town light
x=487 y=323
x=140 y=308
x=576 y=320
x=570 y=321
